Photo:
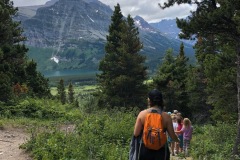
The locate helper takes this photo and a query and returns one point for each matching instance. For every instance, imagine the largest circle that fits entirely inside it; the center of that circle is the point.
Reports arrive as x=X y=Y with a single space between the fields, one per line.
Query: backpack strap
x=154 y=110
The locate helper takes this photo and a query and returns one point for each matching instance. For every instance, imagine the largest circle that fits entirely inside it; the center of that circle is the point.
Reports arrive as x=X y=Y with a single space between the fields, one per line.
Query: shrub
x=213 y=142
x=34 y=108
x=104 y=135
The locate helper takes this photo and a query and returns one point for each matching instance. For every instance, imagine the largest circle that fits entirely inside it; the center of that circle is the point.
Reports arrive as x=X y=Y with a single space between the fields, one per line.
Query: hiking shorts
x=148 y=154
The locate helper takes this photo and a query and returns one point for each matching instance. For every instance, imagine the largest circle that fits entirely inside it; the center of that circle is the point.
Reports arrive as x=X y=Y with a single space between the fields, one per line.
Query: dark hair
x=155 y=97
x=179 y=120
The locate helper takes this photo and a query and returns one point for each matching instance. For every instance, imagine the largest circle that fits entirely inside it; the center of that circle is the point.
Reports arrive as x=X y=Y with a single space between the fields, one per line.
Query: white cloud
x=148 y=9
x=28 y=2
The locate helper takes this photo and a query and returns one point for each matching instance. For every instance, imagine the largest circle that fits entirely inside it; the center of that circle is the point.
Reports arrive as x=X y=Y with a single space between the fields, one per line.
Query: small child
x=187 y=130
x=172 y=143
x=179 y=145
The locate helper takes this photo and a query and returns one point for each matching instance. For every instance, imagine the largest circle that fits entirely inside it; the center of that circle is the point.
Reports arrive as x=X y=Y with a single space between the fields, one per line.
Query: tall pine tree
x=180 y=77
x=220 y=70
x=171 y=80
x=70 y=93
x=197 y=96
x=164 y=80
x=13 y=60
x=61 y=93
x=122 y=69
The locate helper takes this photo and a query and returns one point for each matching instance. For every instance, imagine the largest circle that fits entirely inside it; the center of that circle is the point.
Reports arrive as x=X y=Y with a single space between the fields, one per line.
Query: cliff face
x=67 y=20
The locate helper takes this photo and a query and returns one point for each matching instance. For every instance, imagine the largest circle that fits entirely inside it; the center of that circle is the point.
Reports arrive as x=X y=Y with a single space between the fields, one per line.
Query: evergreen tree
x=13 y=59
x=220 y=70
x=6 y=90
x=36 y=81
x=122 y=70
x=218 y=19
x=197 y=96
x=180 y=76
x=197 y=81
x=171 y=79
x=70 y=93
x=61 y=93
x=164 y=80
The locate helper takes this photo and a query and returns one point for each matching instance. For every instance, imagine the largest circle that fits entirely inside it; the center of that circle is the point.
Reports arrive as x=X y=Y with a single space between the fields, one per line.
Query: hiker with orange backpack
x=153 y=124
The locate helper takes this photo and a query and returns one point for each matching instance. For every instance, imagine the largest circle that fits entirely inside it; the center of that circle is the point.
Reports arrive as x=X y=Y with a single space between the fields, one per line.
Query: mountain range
x=71 y=34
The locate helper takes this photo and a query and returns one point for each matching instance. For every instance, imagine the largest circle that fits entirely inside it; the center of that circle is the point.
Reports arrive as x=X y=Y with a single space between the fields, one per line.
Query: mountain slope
x=71 y=34
x=169 y=28
x=27 y=12
x=56 y=25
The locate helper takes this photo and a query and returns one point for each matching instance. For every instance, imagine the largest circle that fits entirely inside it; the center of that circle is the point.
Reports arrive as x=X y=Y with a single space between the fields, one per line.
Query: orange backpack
x=154 y=136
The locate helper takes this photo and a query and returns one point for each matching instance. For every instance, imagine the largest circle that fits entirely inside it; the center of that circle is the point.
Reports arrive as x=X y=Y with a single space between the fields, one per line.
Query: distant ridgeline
x=71 y=34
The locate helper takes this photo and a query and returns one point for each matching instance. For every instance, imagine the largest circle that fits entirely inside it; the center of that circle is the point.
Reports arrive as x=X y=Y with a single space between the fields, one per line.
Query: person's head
x=173 y=115
x=174 y=118
x=155 y=98
x=179 y=115
x=186 y=122
x=179 y=120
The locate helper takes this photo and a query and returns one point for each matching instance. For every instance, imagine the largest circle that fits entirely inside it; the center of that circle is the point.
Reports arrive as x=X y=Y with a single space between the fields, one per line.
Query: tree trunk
x=236 y=147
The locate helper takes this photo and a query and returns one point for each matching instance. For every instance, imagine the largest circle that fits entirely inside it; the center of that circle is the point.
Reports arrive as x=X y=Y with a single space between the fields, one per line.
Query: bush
x=34 y=108
x=104 y=135
x=213 y=142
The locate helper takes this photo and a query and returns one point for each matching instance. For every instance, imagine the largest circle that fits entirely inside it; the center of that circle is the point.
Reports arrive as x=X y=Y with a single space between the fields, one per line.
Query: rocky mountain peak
x=51 y=2
x=142 y=24
x=66 y=20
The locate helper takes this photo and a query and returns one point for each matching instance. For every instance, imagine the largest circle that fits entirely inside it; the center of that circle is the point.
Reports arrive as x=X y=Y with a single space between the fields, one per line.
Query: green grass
x=77 y=89
x=81 y=78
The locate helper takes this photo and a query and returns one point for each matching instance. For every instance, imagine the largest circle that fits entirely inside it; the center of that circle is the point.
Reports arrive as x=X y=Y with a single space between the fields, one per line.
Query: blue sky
x=148 y=9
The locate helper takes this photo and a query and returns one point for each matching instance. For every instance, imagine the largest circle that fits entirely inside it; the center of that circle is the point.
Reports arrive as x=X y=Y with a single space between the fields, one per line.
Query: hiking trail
x=10 y=140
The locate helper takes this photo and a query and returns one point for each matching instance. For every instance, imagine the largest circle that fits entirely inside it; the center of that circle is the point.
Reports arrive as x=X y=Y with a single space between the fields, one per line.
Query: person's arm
x=179 y=131
x=170 y=129
x=138 y=125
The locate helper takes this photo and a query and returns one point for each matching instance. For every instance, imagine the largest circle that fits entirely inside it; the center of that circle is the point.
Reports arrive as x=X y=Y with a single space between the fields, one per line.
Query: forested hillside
x=72 y=121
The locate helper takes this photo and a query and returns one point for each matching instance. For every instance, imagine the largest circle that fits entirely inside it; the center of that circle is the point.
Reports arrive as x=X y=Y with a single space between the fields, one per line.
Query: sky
x=147 y=9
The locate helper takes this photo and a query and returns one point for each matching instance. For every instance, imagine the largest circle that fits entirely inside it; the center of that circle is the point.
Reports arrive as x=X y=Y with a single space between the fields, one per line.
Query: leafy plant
x=213 y=142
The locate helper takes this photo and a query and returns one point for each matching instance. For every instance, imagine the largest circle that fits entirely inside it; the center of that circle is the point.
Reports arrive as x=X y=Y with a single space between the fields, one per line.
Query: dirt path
x=178 y=158
x=10 y=140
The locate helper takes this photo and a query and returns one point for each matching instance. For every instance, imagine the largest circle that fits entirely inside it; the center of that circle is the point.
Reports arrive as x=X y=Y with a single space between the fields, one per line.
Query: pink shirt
x=187 y=132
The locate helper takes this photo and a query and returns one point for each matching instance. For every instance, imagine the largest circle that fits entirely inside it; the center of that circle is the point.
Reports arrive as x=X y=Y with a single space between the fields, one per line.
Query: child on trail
x=187 y=130
x=172 y=143
x=179 y=145
x=180 y=116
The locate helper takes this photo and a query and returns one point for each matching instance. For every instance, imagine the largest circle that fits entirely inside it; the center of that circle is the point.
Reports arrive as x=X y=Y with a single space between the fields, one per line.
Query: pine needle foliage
x=70 y=93
x=15 y=68
x=61 y=93
x=122 y=68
